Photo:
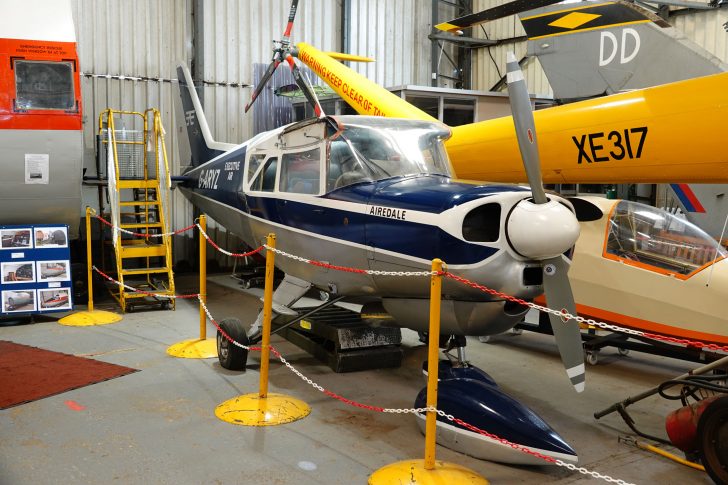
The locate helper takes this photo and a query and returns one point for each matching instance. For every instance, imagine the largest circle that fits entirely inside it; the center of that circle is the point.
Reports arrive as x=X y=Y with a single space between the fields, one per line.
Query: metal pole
x=433 y=363
x=267 y=312
x=88 y=260
x=203 y=277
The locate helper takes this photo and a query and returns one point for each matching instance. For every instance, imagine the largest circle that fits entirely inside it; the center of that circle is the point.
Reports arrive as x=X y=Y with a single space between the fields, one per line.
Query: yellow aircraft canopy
x=664 y=134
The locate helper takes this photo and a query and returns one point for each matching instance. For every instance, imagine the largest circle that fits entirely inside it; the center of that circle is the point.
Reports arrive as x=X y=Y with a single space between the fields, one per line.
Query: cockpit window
x=44 y=85
x=378 y=148
x=265 y=180
x=653 y=239
x=301 y=172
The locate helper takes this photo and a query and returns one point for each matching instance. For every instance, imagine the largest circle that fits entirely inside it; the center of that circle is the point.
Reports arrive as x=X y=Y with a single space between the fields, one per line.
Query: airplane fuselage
x=393 y=223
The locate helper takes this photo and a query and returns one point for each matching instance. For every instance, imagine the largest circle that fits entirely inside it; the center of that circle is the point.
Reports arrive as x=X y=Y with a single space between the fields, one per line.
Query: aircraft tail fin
x=196 y=144
x=595 y=48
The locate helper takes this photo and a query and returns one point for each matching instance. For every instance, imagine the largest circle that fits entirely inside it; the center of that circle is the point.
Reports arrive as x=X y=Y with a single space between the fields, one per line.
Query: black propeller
x=282 y=52
x=505 y=10
x=531 y=224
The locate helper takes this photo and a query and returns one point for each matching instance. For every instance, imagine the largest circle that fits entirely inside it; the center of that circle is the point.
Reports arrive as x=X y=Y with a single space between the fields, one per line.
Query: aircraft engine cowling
x=541 y=231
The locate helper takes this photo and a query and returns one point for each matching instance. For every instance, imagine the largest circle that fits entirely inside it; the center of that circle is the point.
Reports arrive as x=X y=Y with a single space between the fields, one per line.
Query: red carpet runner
x=29 y=373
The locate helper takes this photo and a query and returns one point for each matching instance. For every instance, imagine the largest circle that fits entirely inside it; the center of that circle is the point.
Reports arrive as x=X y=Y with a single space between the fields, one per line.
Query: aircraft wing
x=663 y=134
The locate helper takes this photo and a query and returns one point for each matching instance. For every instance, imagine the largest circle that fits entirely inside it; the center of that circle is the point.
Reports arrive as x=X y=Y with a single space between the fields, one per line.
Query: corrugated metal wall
x=705 y=28
x=141 y=38
x=488 y=70
x=238 y=35
x=394 y=32
x=146 y=38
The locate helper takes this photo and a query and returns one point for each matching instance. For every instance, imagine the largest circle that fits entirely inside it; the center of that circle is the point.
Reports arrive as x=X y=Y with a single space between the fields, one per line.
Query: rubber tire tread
x=237 y=358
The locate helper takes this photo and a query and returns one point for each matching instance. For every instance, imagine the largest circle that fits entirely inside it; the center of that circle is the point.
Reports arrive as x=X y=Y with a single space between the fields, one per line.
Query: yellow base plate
x=194 y=349
x=87 y=319
x=251 y=410
x=411 y=472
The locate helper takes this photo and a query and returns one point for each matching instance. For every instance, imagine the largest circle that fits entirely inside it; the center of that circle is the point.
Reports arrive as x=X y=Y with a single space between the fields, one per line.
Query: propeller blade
x=259 y=88
x=505 y=10
x=555 y=269
x=305 y=86
x=340 y=56
x=567 y=334
x=525 y=127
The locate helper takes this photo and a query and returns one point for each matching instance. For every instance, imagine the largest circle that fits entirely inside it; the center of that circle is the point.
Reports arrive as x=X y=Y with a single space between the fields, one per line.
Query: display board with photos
x=35 y=269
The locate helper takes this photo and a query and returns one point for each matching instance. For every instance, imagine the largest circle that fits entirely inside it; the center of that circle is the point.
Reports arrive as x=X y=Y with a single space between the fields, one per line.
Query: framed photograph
x=20 y=272
x=16 y=238
x=53 y=271
x=18 y=301
x=54 y=299
x=51 y=237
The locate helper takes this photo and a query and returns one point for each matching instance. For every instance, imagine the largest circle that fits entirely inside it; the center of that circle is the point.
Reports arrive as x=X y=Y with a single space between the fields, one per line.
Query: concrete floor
x=158 y=425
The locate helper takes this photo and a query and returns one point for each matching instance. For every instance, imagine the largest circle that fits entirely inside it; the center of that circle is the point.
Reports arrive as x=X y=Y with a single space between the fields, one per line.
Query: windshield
x=375 y=148
x=657 y=240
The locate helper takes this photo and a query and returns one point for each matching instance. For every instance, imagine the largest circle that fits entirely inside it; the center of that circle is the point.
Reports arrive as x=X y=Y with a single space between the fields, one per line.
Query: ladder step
x=137 y=184
x=140 y=225
x=138 y=214
x=139 y=203
x=132 y=294
x=146 y=251
x=145 y=271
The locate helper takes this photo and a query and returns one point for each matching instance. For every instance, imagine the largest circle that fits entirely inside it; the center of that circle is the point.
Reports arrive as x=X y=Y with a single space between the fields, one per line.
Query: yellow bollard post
x=429 y=471
x=90 y=316
x=203 y=347
x=203 y=277
x=263 y=408
x=88 y=258
x=267 y=314
x=433 y=363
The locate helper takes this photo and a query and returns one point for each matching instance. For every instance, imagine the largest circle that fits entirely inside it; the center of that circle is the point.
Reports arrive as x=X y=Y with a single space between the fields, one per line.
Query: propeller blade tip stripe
x=579 y=387
x=577 y=370
x=514 y=76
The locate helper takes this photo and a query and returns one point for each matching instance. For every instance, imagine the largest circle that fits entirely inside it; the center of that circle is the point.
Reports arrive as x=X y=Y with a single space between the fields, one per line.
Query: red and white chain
x=346 y=269
x=353 y=403
x=143 y=234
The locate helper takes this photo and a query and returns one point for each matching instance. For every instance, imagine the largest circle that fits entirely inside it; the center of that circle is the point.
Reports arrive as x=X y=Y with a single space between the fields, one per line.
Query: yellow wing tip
x=447 y=27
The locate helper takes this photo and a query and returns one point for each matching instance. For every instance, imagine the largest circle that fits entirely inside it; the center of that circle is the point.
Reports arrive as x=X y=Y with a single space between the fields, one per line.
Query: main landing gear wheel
x=713 y=439
x=230 y=355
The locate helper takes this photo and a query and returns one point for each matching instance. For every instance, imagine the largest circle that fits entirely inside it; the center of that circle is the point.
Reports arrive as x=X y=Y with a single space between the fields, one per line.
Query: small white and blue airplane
x=378 y=193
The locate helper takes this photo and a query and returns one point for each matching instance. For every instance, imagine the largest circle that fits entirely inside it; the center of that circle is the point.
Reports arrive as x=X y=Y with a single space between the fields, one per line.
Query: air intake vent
x=532 y=276
x=482 y=224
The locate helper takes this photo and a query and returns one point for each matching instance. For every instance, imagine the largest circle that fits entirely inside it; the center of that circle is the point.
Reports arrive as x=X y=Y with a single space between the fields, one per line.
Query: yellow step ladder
x=138 y=188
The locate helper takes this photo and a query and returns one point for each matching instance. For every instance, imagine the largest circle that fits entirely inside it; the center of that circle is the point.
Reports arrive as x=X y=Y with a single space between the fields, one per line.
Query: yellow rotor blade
x=348 y=57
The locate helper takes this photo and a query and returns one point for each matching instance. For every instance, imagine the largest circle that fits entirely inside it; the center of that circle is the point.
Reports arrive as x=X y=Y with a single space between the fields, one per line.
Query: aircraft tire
x=713 y=439
x=229 y=355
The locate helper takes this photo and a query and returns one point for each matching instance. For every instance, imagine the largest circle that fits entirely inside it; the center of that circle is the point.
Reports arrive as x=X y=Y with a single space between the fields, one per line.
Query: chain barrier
x=360 y=405
x=143 y=234
x=226 y=253
x=563 y=314
x=147 y=293
x=147 y=79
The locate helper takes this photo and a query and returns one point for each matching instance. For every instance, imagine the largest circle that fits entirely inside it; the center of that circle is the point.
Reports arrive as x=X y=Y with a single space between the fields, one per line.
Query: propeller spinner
x=543 y=230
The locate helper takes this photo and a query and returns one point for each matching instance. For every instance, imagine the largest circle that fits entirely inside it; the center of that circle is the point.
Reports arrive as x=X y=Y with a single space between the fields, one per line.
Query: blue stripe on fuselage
x=433 y=194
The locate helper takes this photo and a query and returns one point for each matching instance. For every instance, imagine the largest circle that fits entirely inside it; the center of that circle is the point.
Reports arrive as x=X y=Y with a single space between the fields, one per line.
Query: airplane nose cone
x=541 y=231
